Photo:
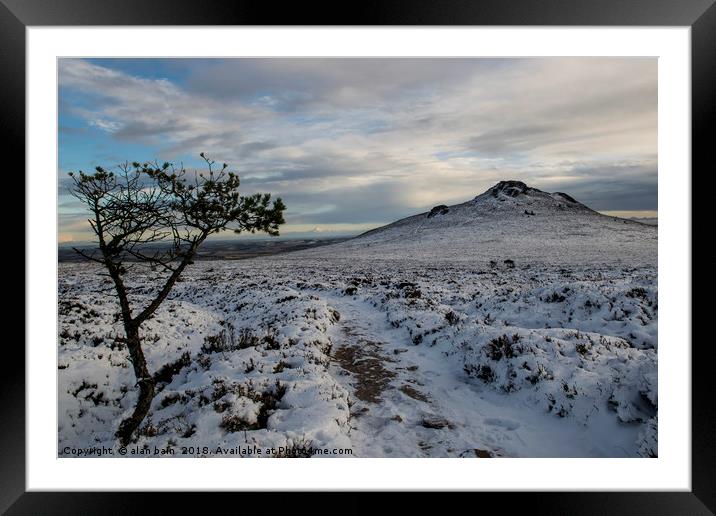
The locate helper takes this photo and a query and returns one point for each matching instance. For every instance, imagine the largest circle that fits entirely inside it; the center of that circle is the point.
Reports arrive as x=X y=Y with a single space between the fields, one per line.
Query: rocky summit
x=510 y=220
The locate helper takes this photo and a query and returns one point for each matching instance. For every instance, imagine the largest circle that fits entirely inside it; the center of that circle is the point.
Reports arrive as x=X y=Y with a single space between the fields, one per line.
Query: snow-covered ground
x=510 y=221
x=415 y=340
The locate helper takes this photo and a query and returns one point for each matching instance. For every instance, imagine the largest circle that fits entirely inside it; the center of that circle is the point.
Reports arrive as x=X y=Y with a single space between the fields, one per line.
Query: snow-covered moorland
x=432 y=337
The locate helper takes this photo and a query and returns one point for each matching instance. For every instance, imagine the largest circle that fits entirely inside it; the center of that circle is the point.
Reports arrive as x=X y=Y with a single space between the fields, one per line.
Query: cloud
x=290 y=84
x=153 y=111
x=364 y=141
x=611 y=187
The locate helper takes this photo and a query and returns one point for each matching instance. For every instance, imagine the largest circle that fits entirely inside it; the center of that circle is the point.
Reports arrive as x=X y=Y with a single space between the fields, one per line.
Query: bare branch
x=154 y=214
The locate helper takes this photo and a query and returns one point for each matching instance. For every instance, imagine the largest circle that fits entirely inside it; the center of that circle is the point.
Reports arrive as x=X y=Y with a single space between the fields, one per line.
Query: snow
x=534 y=226
x=414 y=340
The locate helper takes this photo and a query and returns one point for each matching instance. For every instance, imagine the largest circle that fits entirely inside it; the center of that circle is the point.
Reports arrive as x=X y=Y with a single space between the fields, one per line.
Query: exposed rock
x=566 y=197
x=510 y=188
x=438 y=210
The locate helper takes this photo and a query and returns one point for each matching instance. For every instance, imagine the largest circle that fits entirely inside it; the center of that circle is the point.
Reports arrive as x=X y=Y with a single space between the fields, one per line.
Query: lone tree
x=160 y=215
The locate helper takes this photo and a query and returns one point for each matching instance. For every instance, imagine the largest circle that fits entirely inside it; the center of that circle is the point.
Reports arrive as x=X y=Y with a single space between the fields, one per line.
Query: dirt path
x=412 y=401
x=395 y=410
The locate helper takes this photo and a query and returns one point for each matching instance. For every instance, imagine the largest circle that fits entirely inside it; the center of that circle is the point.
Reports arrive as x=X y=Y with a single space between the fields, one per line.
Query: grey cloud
x=374 y=204
x=376 y=139
x=252 y=148
x=141 y=129
x=508 y=140
x=329 y=165
x=613 y=188
x=304 y=82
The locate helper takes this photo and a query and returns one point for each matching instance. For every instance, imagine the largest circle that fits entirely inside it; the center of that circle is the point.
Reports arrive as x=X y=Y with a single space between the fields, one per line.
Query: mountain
x=652 y=221
x=510 y=221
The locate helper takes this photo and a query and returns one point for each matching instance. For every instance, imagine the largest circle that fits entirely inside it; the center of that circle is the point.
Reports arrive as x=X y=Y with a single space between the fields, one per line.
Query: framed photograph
x=282 y=252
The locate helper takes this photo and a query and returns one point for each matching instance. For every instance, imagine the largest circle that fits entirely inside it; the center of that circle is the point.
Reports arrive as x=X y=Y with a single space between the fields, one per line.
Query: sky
x=353 y=144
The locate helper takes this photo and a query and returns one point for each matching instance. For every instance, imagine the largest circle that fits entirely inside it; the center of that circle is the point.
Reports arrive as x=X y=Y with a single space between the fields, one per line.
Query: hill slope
x=510 y=221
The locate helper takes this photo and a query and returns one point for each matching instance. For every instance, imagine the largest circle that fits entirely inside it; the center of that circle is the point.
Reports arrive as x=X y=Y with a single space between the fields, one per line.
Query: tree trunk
x=146 y=387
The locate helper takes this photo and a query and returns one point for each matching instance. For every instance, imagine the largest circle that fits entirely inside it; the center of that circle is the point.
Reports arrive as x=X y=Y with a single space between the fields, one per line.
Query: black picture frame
x=16 y=15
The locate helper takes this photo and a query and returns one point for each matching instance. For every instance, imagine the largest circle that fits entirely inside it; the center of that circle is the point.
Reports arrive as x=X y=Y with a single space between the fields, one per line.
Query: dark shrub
x=554 y=298
x=503 y=346
x=167 y=371
x=483 y=372
x=452 y=318
x=637 y=292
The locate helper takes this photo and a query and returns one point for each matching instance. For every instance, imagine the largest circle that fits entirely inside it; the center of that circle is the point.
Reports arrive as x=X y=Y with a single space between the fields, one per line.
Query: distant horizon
x=354 y=144
x=325 y=235
x=320 y=233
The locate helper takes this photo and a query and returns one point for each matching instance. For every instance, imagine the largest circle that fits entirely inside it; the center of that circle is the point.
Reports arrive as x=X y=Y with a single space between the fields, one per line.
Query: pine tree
x=160 y=215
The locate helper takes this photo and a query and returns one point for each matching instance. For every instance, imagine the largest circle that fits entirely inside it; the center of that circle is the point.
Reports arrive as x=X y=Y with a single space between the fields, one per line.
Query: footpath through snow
x=416 y=401
x=394 y=359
